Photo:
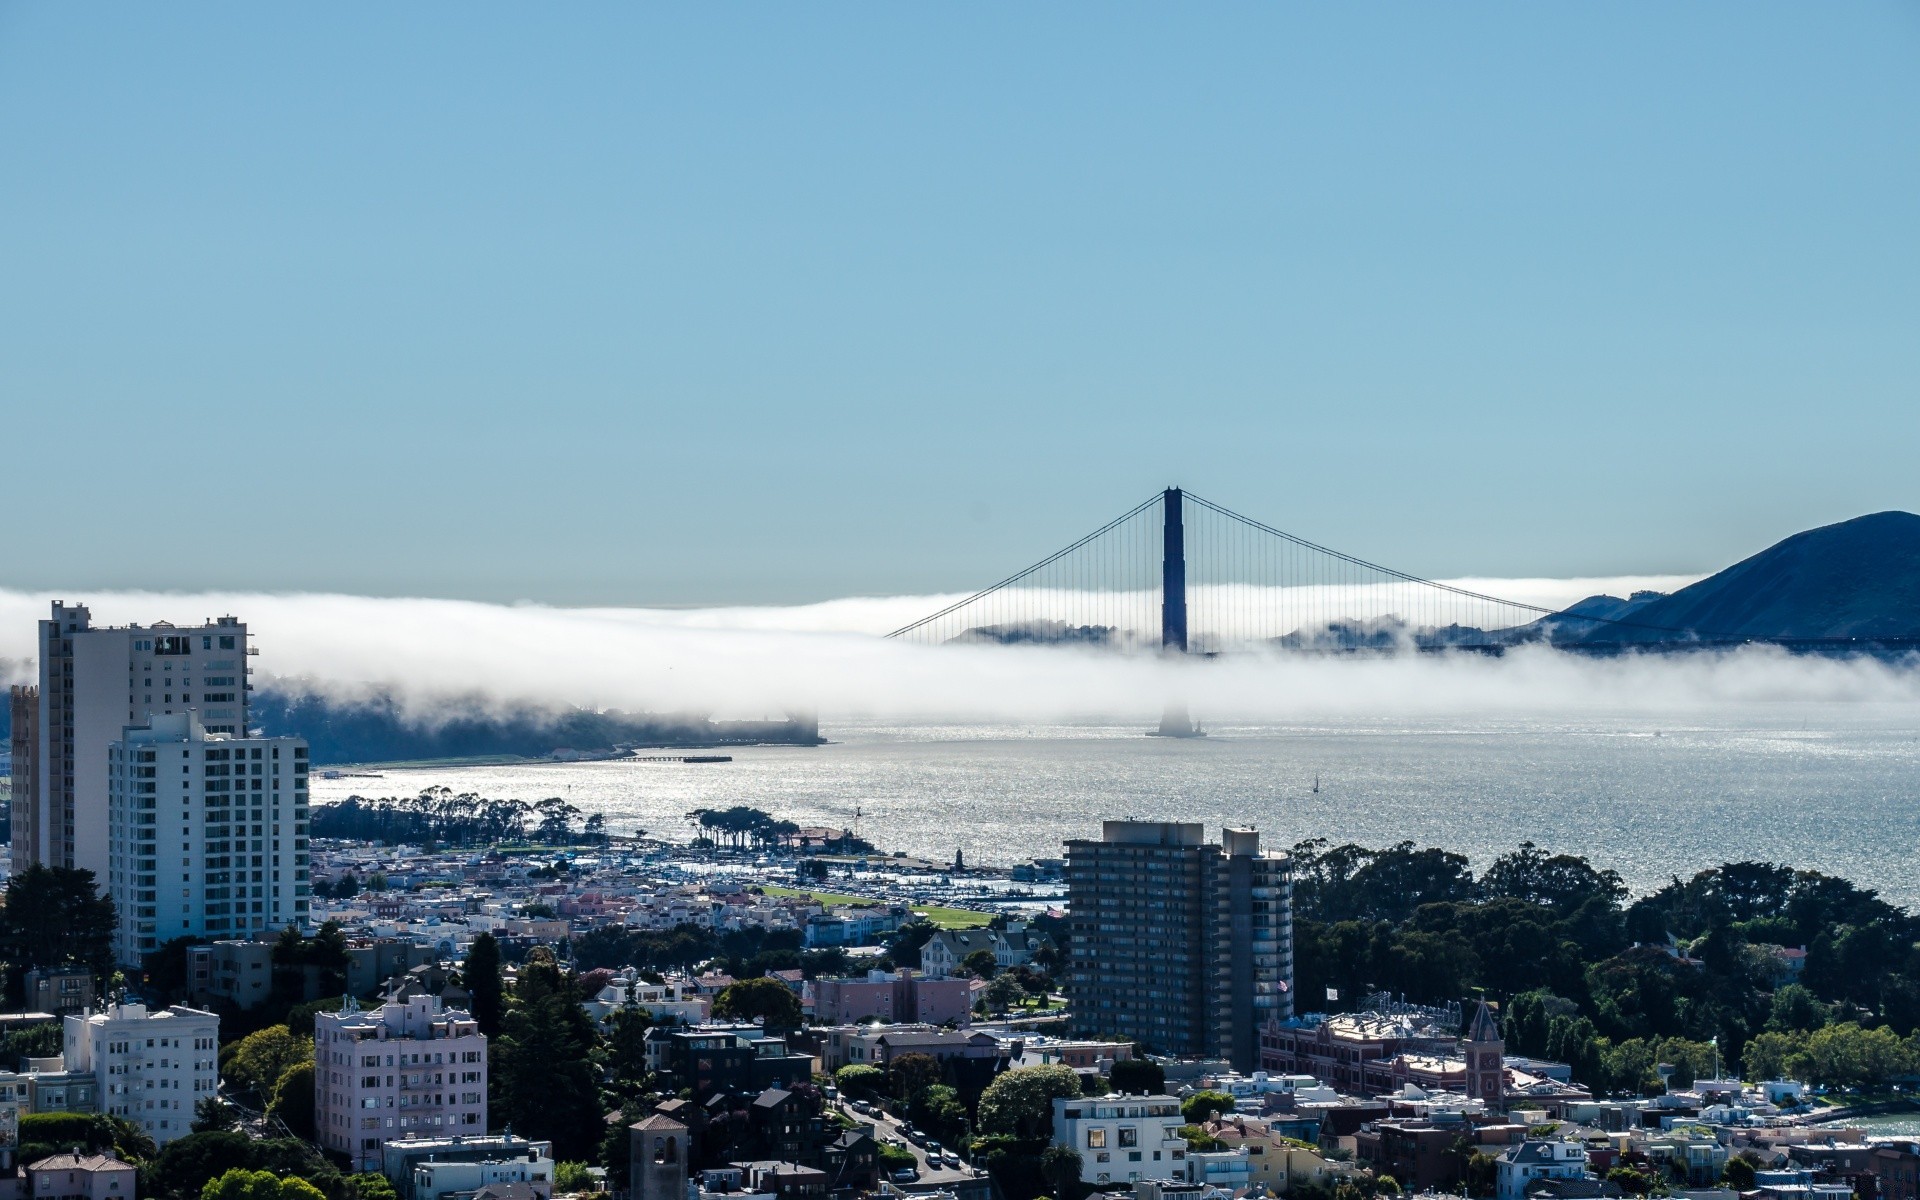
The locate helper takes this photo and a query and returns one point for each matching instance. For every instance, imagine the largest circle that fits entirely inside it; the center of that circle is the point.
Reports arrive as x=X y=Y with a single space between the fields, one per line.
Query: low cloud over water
x=828 y=658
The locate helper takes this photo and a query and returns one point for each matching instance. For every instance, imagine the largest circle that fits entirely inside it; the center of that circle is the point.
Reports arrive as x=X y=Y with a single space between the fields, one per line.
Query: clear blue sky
x=778 y=302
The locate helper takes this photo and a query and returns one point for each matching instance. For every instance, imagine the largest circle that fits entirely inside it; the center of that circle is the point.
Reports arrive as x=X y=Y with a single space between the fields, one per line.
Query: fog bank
x=827 y=658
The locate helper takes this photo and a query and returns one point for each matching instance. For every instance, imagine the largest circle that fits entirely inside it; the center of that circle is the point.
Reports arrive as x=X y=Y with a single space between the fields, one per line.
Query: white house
x=1123 y=1139
x=1521 y=1164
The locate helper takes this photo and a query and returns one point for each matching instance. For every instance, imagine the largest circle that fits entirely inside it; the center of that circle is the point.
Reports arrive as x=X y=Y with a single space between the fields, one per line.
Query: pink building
x=413 y=1069
x=903 y=997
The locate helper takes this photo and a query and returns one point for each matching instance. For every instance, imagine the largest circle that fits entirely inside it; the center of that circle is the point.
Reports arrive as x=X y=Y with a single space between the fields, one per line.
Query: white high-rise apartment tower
x=94 y=682
x=206 y=836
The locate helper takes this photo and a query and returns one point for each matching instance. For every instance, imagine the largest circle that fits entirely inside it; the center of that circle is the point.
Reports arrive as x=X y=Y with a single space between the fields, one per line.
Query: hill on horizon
x=1853 y=579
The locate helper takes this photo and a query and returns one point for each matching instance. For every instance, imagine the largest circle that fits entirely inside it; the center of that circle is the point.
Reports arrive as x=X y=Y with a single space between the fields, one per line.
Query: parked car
x=863 y=1108
x=950 y=1160
x=905 y=1175
x=933 y=1151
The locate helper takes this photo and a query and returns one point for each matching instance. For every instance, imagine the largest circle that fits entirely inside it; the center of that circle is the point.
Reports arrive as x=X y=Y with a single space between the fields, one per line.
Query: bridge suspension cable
x=1181 y=572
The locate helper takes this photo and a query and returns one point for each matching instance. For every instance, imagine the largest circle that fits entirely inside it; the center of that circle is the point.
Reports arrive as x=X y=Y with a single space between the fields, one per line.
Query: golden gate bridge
x=1180 y=574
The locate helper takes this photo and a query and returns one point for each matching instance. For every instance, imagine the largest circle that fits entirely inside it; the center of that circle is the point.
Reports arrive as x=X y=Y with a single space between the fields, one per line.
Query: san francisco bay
x=1829 y=787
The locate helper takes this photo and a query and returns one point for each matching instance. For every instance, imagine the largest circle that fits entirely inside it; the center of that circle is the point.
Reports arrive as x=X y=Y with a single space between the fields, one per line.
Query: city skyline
x=668 y=308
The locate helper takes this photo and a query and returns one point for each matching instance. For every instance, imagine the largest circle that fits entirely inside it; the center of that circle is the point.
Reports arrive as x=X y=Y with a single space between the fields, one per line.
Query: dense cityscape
x=455 y=996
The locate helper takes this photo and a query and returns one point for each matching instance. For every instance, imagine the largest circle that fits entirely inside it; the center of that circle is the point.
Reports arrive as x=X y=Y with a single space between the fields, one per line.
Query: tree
x=768 y=1001
x=293 y=1099
x=184 y=1167
x=1202 y=1107
x=1060 y=1165
x=51 y=1133
x=481 y=976
x=911 y=1074
x=1738 y=1174
x=1138 y=1077
x=545 y=1067
x=571 y=1177
x=1386 y=1185
x=981 y=964
x=256 y=1062
x=859 y=1079
x=1020 y=1101
x=1561 y=881
x=371 y=1185
x=1004 y=991
x=1795 y=1009
x=346 y=887
x=242 y=1184
x=55 y=916
x=213 y=1113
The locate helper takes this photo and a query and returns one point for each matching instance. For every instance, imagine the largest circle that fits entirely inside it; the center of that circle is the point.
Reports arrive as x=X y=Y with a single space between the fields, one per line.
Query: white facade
x=435 y=1178
x=150 y=1067
x=413 y=1069
x=1520 y=1165
x=206 y=836
x=96 y=681
x=1123 y=1139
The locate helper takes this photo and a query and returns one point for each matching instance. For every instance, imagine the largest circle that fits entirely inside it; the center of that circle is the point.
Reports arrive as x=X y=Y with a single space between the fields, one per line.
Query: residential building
x=403 y=1069
x=1178 y=943
x=875 y=1045
x=891 y=996
x=152 y=1068
x=94 y=683
x=1417 y=1153
x=1122 y=1139
x=1523 y=1163
x=784 y=1180
x=740 y=1059
x=1896 y=1168
x=23 y=743
x=399 y=1158
x=236 y=806
x=80 y=1177
x=437 y=1178
x=62 y=991
x=1013 y=946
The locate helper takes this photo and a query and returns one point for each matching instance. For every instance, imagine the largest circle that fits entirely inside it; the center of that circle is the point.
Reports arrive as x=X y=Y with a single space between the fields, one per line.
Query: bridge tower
x=1175 y=721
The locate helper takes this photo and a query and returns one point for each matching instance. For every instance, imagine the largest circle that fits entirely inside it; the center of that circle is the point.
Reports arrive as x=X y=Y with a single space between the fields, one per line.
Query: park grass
x=945 y=918
x=955 y=918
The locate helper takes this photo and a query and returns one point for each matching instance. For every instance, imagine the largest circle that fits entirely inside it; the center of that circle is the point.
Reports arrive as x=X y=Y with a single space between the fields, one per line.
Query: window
x=1096 y=1138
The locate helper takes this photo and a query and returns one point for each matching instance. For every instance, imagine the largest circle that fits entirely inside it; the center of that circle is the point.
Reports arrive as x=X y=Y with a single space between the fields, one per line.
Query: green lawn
x=955 y=918
x=945 y=918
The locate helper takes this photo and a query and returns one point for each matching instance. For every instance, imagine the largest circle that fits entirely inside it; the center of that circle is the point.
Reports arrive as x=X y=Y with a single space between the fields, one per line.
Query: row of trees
x=1604 y=984
x=440 y=816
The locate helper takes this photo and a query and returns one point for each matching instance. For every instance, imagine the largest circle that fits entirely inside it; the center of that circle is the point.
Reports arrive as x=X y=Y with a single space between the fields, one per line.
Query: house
x=1520 y=1165
x=1417 y=1153
x=1013 y=946
x=852 y=1162
x=1123 y=1139
x=80 y=1177
x=1896 y=1168
x=784 y=1180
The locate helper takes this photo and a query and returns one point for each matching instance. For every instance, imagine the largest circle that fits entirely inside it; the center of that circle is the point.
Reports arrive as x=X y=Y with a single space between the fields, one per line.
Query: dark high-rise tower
x=1180 y=944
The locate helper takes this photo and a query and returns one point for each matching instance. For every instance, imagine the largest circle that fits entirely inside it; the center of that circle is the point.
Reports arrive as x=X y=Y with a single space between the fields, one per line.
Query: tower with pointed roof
x=1484 y=1050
